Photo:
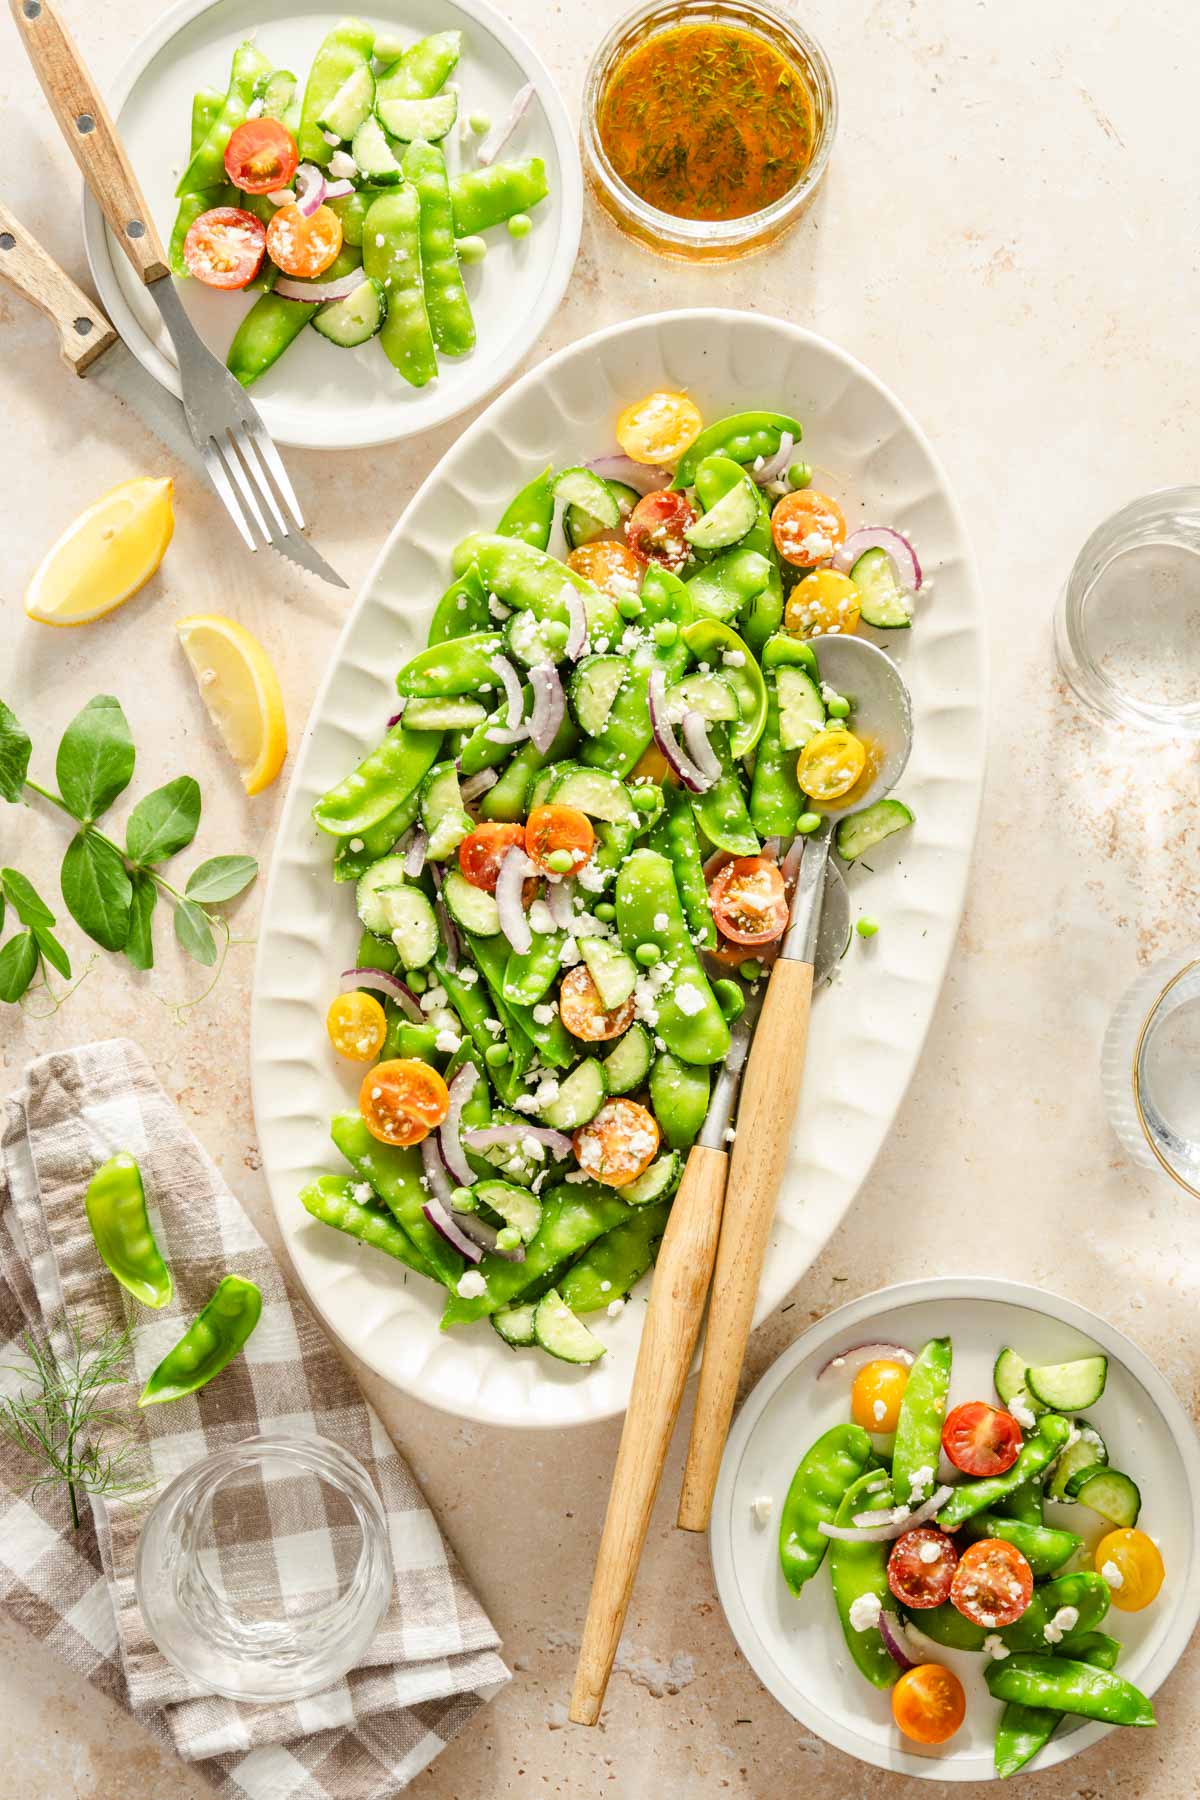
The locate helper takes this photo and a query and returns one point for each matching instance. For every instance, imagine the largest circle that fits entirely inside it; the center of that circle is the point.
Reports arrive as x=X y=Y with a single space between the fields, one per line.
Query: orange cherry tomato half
x=483 y=850
x=654 y=529
x=613 y=568
x=557 y=831
x=583 y=1012
x=981 y=1439
x=921 y=1567
x=357 y=1026
x=402 y=1101
x=807 y=528
x=224 y=247
x=261 y=155
x=928 y=1703
x=749 y=901
x=993 y=1583
x=619 y=1144
x=304 y=247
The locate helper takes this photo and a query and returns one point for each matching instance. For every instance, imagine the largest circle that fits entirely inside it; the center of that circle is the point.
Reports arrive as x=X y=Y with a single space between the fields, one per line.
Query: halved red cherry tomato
x=921 y=1567
x=558 y=832
x=928 y=1703
x=261 y=155
x=748 y=901
x=993 y=1583
x=224 y=247
x=402 y=1101
x=981 y=1439
x=654 y=529
x=583 y=1012
x=619 y=1144
x=304 y=247
x=483 y=850
x=807 y=528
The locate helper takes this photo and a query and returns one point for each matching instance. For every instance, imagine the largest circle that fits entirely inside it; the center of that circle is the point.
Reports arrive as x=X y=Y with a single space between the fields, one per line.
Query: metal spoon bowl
x=882 y=707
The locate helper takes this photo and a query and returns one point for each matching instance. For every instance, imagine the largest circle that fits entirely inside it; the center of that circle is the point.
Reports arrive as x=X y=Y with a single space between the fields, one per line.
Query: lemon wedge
x=240 y=688
x=109 y=552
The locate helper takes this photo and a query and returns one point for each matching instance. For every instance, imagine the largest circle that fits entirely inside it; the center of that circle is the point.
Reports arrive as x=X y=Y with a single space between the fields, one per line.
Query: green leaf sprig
x=109 y=890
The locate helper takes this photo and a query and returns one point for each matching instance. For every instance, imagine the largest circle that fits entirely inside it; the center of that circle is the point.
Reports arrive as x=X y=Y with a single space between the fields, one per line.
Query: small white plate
x=318 y=396
x=795 y=1645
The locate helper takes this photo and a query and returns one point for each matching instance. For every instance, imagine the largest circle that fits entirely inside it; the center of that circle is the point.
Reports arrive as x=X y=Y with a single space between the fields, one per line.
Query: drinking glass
x=1150 y=1069
x=264 y=1571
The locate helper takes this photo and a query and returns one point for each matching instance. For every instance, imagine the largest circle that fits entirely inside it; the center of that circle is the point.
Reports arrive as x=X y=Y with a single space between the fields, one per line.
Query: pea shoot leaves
x=194 y=932
x=95 y=759
x=18 y=965
x=220 y=878
x=139 y=946
x=97 y=889
x=19 y=956
x=15 y=749
x=164 y=822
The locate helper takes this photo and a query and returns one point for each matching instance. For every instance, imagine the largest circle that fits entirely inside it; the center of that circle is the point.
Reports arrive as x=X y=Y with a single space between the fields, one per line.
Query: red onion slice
x=434 y=1169
x=335 y=189
x=560 y=898
x=316 y=293
x=495 y=141
x=453 y=1154
x=395 y=719
x=487 y=1137
x=895 y=1642
x=414 y=856
x=511 y=682
x=391 y=985
x=515 y=868
x=310 y=189
x=549 y=705
x=775 y=467
x=665 y=738
x=851 y=1360
x=881 y=537
x=443 y=1220
x=645 y=478
x=475 y=785
x=576 y=642
x=485 y=1235
x=892 y=1527
x=446 y=925
x=695 y=736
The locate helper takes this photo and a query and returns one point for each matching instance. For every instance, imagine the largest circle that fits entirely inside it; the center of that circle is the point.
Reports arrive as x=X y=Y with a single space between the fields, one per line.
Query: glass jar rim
x=1189 y=968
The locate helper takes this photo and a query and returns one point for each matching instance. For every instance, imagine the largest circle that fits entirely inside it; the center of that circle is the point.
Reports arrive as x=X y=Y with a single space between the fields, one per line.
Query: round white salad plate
x=317 y=395
x=867 y=1030
x=795 y=1645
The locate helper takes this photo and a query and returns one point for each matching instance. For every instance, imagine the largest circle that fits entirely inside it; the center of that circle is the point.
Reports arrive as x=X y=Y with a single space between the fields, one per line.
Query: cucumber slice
x=589 y=494
x=374 y=889
x=1113 y=1495
x=469 y=906
x=659 y=1180
x=593 y=690
x=515 y=1205
x=453 y=713
x=801 y=708
x=413 y=119
x=596 y=793
x=558 y=1331
x=581 y=527
x=614 y=973
x=734 y=514
x=375 y=157
x=278 y=95
x=1008 y=1377
x=442 y=812
x=356 y=319
x=1082 y=1458
x=628 y=1062
x=392 y=908
x=515 y=1325
x=1067 y=1387
x=350 y=105
x=539 y=791
x=530 y=640
x=862 y=831
x=709 y=695
x=579 y=1097
x=881 y=600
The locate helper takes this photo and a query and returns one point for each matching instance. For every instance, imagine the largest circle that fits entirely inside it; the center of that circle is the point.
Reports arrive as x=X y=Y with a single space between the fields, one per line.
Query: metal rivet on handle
x=32 y=9
x=85 y=123
x=7 y=241
x=83 y=326
x=135 y=229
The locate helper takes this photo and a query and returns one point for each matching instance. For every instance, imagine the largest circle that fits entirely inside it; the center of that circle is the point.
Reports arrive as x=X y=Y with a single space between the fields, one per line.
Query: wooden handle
x=83 y=331
x=770 y=1090
x=85 y=122
x=681 y=1278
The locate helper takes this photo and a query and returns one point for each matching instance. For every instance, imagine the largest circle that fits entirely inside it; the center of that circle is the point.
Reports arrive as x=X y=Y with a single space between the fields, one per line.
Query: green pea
x=479 y=123
x=665 y=632
x=560 y=862
x=730 y=998
x=630 y=607
x=495 y=1055
x=800 y=475
x=507 y=1238
x=554 y=633
x=750 y=970
x=647 y=955
x=471 y=250
x=807 y=823
x=417 y=980
x=462 y=1200
x=605 y=911
x=867 y=927
x=838 y=707
x=520 y=225
x=643 y=799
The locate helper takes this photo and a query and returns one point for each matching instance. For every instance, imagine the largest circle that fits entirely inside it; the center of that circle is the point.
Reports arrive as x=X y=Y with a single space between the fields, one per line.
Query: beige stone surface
x=1007 y=236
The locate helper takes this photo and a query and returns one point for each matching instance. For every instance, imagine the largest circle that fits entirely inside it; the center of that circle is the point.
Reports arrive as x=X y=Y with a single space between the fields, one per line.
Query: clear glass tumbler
x=1127 y=631
x=264 y=1571
x=1150 y=1069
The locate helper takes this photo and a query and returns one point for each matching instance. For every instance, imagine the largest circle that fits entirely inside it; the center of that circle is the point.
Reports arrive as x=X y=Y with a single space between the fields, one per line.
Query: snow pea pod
x=374 y=842
x=215 y=1336
x=206 y=104
x=720 y=811
x=376 y=953
x=483 y=197
x=776 y=800
x=679 y=1095
x=392 y=254
x=572 y=1218
x=613 y=1265
x=857 y=1570
x=207 y=166
x=743 y=437
x=744 y=582
x=529 y=973
x=461 y=665
x=675 y=837
x=446 y=303
x=722 y=588
x=475 y=1006
x=1043 y=1547
x=380 y=784
x=824 y=1473
x=649 y=910
x=403 y=1038
x=553 y=1044
x=529 y=515
x=273 y=323
x=1037 y=1453
x=1085 y=1592
x=334 y=1201
x=627 y=732
x=1024 y=1503
x=528 y=579
x=462 y=609
x=712 y=641
x=506 y=800
x=394 y=1173
x=115 y=1204
x=423 y=69
x=919 y=1426
x=945 y=1625
x=1024 y=1730
x=1065 y=1686
x=345 y=51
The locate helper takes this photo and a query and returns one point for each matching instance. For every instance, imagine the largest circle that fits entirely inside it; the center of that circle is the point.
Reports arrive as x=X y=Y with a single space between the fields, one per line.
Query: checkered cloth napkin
x=432 y=1663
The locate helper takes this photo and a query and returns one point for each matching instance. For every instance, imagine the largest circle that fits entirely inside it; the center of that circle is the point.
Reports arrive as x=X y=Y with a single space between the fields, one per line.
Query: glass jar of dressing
x=707 y=125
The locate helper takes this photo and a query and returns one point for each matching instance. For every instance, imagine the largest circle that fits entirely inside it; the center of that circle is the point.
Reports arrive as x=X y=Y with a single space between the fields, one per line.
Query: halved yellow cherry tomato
x=402 y=1100
x=876 y=1395
x=659 y=428
x=651 y=765
x=928 y=1703
x=1132 y=1565
x=613 y=568
x=357 y=1026
x=821 y=603
x=830 y=764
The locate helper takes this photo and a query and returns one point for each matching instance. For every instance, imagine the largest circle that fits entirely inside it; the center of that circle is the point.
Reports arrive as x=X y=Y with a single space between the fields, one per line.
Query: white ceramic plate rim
x=860 y=1313
x=582 y=1403
x=101 y=248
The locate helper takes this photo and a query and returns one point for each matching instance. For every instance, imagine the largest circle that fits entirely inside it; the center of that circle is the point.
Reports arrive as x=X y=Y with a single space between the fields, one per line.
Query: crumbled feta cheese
x=543 y=1012
x=356 y=845
x=734 y=659
x=865 y=1611
x=533 y=1148
x=471 y=1285
x=605 y=1286
x=342 y=166
x=447 y=1041
x=761 y=1508
x=688 y=998
x=433 y=997
x=921 y=1483
x=615 y=1308
x=661 y=921
x=541 y=919
x=526 y=1103
x=364 y=1193
x=331 y=137
x=1022 y=1413
x=1113 y=1575
x=1064 y=1620
x=879 y=1411
x=996 y=1647
x=379 y=243
x=569 y=954
x=929 y=1553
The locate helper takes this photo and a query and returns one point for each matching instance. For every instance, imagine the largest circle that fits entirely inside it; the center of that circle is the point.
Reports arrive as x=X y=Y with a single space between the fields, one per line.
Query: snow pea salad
x=342 y=200
x=573 y=852
x=997 y=1529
